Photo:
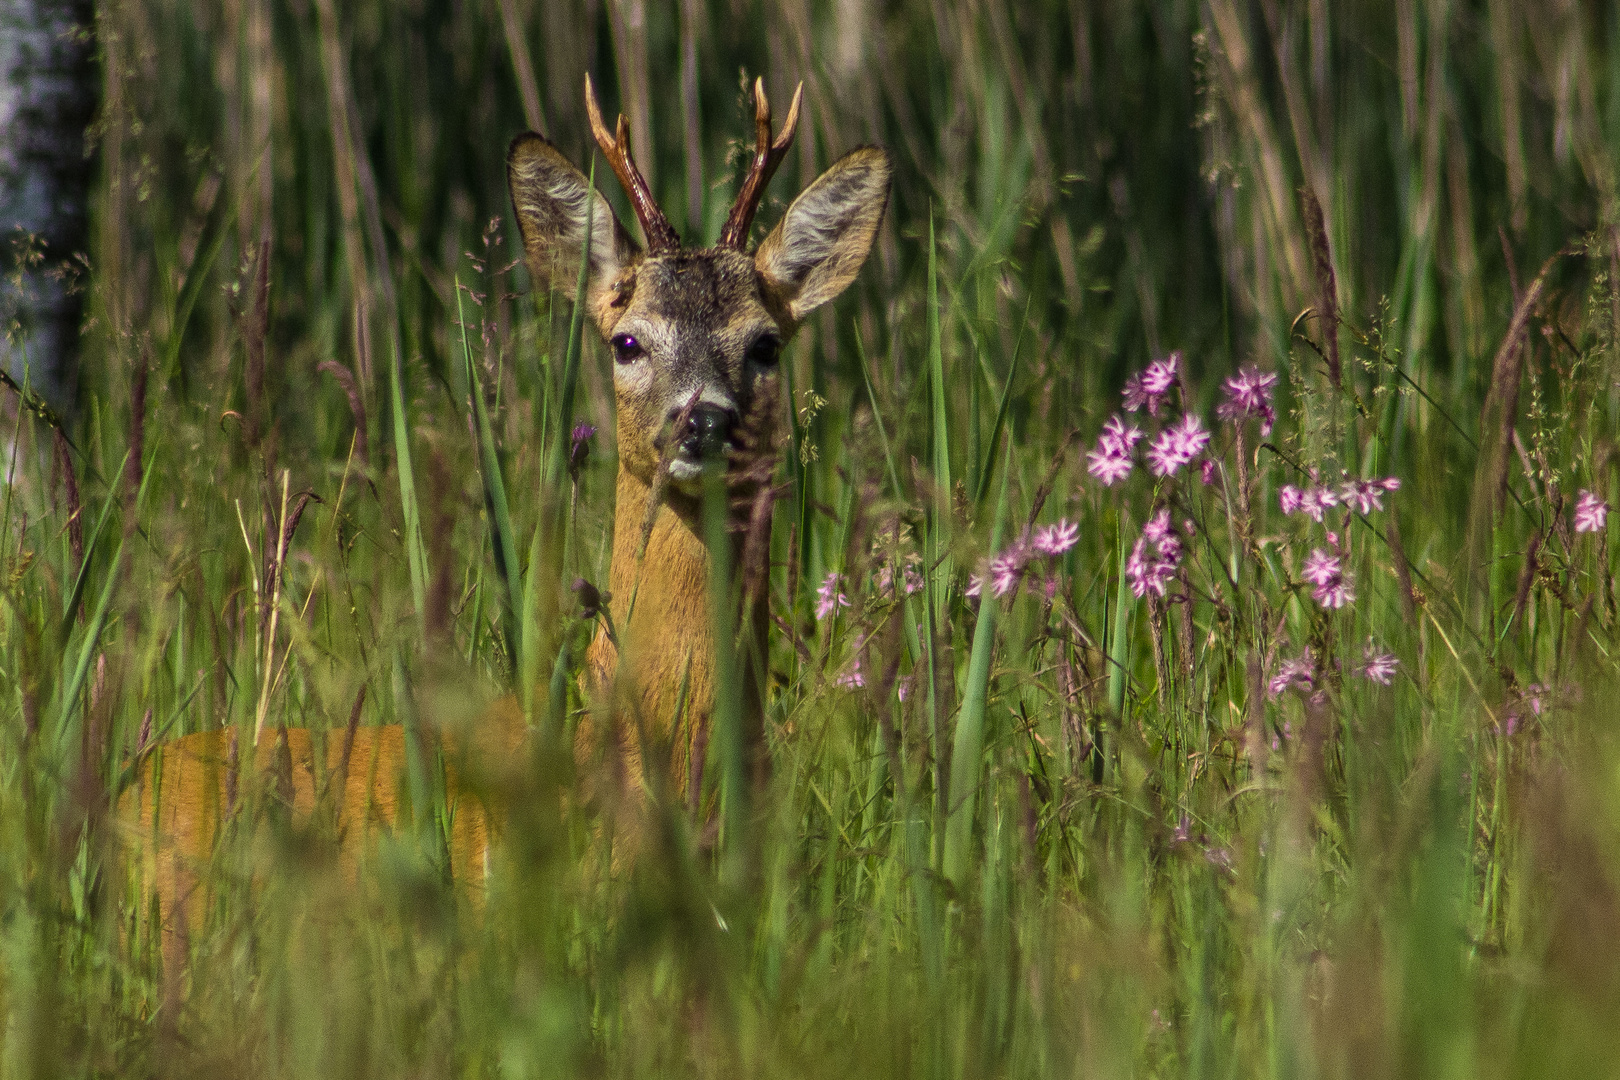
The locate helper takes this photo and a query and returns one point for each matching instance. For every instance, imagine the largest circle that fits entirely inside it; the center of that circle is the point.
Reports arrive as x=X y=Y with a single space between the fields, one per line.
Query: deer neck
x=664 y=666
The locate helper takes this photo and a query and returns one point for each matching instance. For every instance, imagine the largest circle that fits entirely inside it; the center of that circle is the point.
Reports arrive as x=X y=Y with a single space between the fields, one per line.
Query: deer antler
x=661 y=238
x=767 y=156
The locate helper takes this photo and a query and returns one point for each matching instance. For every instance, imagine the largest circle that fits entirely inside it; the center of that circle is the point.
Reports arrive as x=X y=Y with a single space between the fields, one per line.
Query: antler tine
x=661 y=237
x=768 y=155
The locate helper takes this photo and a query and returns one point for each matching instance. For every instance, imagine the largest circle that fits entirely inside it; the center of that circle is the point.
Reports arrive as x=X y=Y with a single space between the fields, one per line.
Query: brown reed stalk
x=1497 y=418
x=1327 y=287
x=357 y=406
x=70 y=484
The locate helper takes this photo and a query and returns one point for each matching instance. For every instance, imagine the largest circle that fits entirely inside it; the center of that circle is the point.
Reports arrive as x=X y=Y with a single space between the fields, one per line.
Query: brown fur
x=189 y=789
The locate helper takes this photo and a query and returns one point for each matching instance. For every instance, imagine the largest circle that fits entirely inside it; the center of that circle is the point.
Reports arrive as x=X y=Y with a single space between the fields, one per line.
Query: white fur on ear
x=818 y=247
x=550 y=197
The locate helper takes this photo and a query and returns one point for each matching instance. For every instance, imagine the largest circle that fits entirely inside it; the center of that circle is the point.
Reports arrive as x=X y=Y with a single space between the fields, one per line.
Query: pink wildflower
x=975 y=585
x=1107 y=468
x=1300 y=672
x=1378 y=667
x=1158 y=527
x=1150 y=388
x=910 y=579
x=1313 y=502
x=1056 y=539
x=1591 y=512
x=1118 y=437
x=1248 y=393
x=1207 y=470
x=852 y=676
x=1111 y=461
x=828 y=597
x=1334 y=587
x=1365 y=496
x=1005 y=572
x=1177 y=445
x=1153 y=574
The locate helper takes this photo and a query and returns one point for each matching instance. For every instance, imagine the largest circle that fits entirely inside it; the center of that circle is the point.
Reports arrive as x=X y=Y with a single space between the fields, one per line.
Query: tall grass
x=1068 y=829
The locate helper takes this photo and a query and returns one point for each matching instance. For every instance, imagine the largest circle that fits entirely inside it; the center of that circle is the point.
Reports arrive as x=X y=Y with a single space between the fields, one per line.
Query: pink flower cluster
x=1335 y=587
x=828 y=597
x=1591 y=512
x=1177 y=445
x=1009 y=567
x=1152 y=573
x=910 y=579
x=852 y=677
x=1248 y=393
x=1302 y=673
x=1111 y=461
x=1361 y=496
x=1151 y=387
x=1299 y=672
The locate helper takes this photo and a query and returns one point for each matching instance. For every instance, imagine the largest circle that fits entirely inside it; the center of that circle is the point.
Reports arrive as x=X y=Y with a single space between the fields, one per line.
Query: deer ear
x=549 y=197
x=818 y=247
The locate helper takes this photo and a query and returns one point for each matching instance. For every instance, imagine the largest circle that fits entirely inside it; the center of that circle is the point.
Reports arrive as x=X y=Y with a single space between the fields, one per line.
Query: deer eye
x=765 y=351
x=625 y=348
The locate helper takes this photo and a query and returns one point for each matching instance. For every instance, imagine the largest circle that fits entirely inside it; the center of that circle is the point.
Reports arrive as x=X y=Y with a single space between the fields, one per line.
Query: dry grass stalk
x=1327 y=287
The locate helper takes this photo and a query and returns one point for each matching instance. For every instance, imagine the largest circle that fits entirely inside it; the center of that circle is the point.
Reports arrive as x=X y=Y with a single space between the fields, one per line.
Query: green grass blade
x=728 y=716
x=939 y=432
x=502 y=533
x=70 y=609
x=98 y=621
x=415 y=555
x=1119 y=647
x=1002 y=409
x=968 y=746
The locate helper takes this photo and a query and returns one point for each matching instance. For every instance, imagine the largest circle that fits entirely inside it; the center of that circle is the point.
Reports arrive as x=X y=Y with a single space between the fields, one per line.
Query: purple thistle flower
x=1054 y=540
x=1288 y=499
x=1591 y=512
x=1177 y=445
x=1300 y=672
x=579 y=449
x=1378 y=667
x=975 y=585
x=1365 y=496
x=1248 y=393
x=828 y=597
x=1207 y=470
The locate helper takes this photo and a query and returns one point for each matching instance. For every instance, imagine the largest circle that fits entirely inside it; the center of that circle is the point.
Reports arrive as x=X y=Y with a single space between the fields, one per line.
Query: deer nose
x=708 y=428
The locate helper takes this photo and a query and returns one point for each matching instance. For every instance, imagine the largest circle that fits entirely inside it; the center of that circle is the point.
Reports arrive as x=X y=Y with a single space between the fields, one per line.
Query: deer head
x=696 y=334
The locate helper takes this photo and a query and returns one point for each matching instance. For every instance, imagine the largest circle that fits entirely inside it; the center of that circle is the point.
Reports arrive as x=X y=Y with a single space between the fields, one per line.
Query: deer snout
x=707 y=431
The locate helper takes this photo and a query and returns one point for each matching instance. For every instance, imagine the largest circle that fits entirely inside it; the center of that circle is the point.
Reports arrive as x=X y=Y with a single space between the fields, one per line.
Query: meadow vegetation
x=1194 y=615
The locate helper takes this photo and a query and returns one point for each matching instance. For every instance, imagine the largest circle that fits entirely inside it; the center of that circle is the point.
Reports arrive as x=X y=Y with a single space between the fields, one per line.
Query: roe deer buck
x=696 y=336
